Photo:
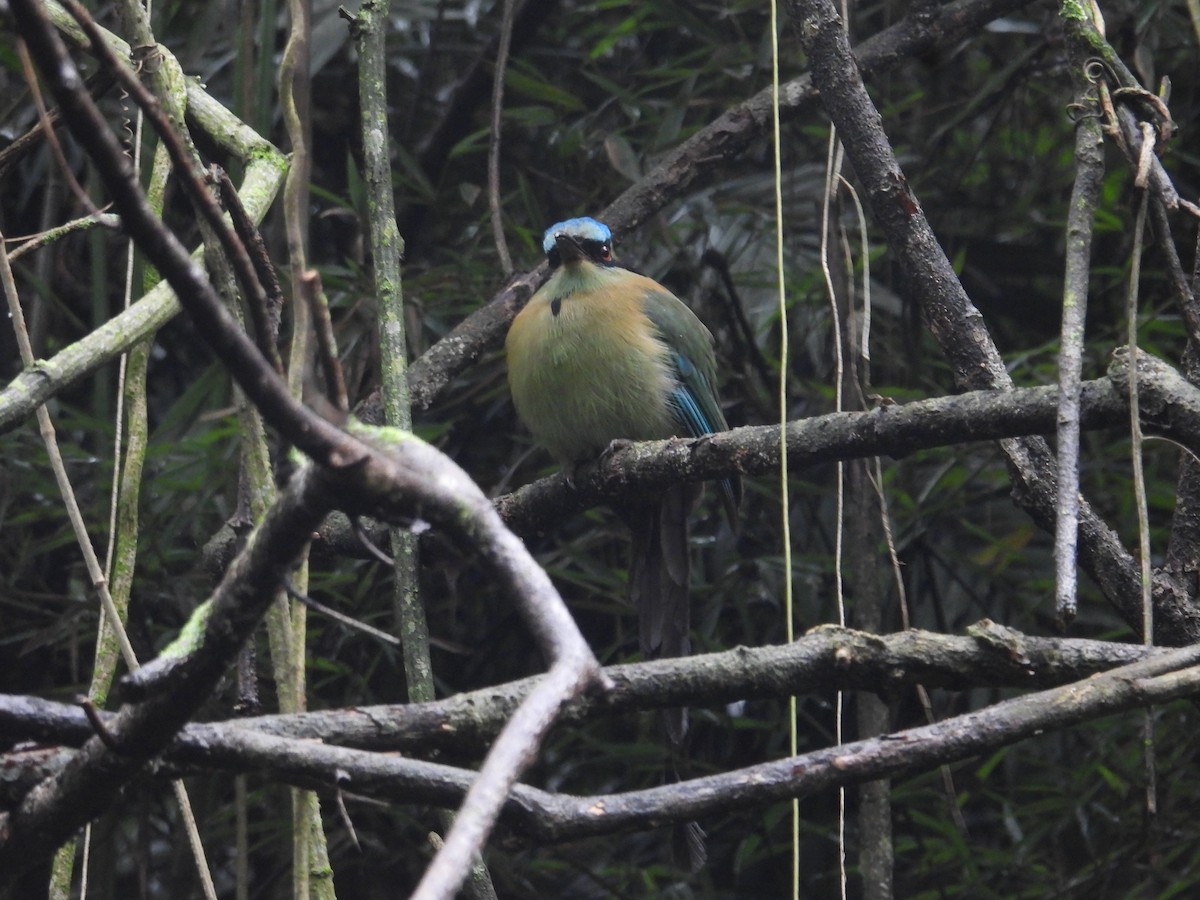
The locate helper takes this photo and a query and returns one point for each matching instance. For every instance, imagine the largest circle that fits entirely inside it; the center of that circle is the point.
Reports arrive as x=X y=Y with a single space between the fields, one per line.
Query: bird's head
x=576 y=240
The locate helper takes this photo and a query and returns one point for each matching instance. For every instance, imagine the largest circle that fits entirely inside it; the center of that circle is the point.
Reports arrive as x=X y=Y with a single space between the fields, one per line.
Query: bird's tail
x=659 y=580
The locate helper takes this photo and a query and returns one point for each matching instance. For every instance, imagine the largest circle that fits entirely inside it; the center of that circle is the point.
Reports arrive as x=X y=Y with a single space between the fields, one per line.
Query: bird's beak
x=568 y=248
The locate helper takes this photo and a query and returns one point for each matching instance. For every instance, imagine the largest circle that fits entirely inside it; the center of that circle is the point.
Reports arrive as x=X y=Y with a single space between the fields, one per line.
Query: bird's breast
x=586 y=367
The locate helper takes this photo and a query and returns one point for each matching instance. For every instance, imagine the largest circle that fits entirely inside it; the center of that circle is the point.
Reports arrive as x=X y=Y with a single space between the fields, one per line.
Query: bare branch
x=828 y=657
x=1173 y=675
x=1081 y=212
x=1158 y=676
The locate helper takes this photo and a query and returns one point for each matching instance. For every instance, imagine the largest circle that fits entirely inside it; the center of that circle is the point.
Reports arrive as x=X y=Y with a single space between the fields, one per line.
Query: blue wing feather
x=685 y=403
x=690 y=413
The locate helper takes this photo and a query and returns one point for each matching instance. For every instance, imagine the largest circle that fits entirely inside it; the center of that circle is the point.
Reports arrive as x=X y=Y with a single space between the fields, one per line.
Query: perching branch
x=1170 y=407
x=890 y=430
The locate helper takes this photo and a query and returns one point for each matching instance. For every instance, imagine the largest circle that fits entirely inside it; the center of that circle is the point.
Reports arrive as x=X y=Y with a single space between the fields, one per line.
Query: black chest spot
x=555 y=306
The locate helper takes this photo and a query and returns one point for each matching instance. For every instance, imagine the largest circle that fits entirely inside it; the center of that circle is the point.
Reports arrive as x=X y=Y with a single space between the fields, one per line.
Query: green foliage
x=595 y=93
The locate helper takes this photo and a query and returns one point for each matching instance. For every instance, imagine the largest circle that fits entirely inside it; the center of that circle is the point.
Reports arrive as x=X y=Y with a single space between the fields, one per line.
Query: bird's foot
x=615 y=445
x=570 y=471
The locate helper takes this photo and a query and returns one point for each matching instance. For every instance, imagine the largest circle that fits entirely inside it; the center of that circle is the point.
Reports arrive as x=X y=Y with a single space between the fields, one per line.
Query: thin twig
x=265 y=319
x=37 y=241
x=311 y=872
x=97 y=723
x=318 y=307
x=387 y=248
x=1139 y=488
x=785 y=506
x=494 y=207
x=51 y=135
x=833 y=165
x=365 y=539
x=98 y=84
x=348 y=621
x=46 y=426
x=748 y=342
x=344 y=815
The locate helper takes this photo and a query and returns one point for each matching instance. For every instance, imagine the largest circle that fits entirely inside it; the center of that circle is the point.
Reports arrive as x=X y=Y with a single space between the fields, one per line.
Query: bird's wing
x=691 y=344
x=694 y=399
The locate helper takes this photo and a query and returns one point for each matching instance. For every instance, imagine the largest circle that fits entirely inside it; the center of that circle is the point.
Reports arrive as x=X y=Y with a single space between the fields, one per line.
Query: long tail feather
x=659 y=582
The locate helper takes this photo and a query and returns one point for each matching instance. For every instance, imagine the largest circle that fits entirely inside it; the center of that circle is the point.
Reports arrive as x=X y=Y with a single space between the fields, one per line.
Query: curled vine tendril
x=1096 y=70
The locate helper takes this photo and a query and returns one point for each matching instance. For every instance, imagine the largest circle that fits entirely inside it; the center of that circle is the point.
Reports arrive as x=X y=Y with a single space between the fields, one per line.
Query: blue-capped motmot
x=599 y=354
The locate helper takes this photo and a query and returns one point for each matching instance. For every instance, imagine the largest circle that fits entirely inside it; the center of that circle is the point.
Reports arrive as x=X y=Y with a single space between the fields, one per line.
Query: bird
x=603 y=354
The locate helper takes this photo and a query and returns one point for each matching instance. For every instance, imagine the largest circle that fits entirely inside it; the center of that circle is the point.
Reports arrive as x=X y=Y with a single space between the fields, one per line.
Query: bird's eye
x=606 y=252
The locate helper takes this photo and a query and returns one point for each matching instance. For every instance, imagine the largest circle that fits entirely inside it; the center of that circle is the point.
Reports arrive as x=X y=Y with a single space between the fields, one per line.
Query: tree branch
x=1173 y=675
x=1081 y=212
x=1170 y=407
x=826 y=658
x=1157 y=676
x=890 y=430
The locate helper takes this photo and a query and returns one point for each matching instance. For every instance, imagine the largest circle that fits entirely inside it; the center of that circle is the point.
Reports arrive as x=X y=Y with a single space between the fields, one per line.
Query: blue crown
x=584 y=227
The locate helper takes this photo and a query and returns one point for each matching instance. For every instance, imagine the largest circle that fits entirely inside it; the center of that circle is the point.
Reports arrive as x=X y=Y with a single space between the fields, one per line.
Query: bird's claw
x=613 y=446
x=569 y=472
